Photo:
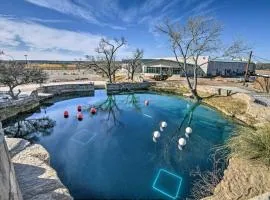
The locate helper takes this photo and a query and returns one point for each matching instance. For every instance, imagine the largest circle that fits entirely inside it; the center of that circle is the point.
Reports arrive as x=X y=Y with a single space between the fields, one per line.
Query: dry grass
x=227 y=104
x=251 y=144
x=120 y=78
x=55 y=66
x=173 y=90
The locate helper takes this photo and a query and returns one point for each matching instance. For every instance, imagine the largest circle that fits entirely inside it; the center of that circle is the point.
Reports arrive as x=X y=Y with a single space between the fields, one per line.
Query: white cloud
x=42 y=42
x=47 y=20
x=66 y=7
x=81 y=10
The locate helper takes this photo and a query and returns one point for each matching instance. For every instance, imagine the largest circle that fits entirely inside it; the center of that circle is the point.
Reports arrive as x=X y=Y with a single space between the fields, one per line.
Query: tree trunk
x=132 y=75
x=110 y=78
x=193 y=90
x=114 y=77
x=128 y=75
x=195 y=78
x=195 y=95
x=11 y=93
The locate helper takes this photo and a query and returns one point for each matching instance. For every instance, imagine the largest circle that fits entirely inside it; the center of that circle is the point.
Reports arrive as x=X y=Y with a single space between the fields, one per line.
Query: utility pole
x=26 y=62
x=247 y=67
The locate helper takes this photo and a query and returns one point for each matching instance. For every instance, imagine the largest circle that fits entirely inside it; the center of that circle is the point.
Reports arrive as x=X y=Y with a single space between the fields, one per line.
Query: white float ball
x=188 y=130
x=164 y=124
x=180 y=147
x=156 y=134
x=182 y=142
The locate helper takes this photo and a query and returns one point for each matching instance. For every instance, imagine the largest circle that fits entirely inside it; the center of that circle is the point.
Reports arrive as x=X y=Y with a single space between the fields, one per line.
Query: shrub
x=206 y=181
x=251 y=144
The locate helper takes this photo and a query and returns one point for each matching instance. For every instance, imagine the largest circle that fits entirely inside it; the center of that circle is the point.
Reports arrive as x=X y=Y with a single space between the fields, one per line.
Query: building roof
x=228 y=60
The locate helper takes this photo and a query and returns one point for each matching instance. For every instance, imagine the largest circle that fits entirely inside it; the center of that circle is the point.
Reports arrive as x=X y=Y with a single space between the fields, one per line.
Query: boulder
x=9 y=188
x=36 y=178
x=242 y=180
x=16 y=145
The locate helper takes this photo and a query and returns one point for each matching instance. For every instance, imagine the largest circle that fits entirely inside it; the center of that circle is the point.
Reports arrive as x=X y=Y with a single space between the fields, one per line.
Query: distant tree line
x=263 y=66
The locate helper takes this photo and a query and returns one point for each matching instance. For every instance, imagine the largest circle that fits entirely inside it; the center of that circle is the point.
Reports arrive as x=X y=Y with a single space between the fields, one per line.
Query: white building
x=208 y=67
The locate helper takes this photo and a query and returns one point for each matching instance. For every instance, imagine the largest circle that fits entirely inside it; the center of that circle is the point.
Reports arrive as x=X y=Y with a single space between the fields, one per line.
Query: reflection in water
x=167 y=149
x=30 y=128
x=133 y=100
x=112 y=110
x=110 y=107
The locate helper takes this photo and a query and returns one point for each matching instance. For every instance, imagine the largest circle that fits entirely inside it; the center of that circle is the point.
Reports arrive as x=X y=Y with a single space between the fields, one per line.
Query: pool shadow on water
x=33 y=186
x=30 y=129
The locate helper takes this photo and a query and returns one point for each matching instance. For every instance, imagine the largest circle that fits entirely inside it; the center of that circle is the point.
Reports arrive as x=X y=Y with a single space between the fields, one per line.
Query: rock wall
x=14 y=107
x=242 y=180
x=124 y=87
x=37 y=180
x=67 y=88
x=9 y=188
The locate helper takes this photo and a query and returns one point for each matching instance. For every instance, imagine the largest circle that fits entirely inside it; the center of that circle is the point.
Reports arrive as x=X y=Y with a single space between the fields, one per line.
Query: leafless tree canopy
x=134 y=63
x=197 y=37
x=13 y=73
x=106 y=62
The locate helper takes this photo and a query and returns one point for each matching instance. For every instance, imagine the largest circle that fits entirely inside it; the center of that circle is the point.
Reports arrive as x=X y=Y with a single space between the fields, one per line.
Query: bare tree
x=106 y=63
x=134 y=63
x=199 y=36
x=13 y=74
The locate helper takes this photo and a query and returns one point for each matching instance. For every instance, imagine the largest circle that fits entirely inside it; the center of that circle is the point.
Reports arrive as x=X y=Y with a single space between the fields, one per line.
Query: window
x=153 y=70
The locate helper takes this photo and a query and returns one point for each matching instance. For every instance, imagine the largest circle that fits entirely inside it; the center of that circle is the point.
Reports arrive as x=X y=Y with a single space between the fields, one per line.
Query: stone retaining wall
x=124 y=87
x=9 y=188
x=14 y=107
x=67 y=88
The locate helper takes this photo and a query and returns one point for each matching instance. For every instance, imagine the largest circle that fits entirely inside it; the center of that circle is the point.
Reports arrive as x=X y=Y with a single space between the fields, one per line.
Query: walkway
x=260 y=98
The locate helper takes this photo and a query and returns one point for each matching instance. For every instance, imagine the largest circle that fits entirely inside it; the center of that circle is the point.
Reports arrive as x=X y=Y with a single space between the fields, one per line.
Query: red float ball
x=79 y=108
x=93 y=110
x=80 y=116
x=66 y=114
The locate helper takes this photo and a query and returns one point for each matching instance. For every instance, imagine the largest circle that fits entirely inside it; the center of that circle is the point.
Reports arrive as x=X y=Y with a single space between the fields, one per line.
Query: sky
x=71 y=29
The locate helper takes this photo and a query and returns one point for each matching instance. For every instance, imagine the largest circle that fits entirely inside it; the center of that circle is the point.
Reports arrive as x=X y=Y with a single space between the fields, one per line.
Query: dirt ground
x=72 y=75
x=85 y=75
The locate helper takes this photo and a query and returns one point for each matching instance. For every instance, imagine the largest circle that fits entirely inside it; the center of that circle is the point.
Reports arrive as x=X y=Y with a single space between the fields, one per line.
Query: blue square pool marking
x=83 y=137
x=177 y=179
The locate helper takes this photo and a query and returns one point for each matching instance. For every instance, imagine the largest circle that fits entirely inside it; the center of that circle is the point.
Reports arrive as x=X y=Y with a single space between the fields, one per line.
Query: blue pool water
x=112 y=154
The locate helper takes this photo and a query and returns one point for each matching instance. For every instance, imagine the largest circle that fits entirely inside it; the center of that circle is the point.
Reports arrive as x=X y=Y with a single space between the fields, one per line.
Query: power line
x=261 y=58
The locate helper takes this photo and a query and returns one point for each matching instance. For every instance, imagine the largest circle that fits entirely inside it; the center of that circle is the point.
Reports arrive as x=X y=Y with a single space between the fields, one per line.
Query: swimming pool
x=112 y=154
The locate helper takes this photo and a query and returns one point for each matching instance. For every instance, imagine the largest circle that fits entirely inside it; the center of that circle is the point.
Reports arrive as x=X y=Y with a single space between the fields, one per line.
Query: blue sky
x=70 y=29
